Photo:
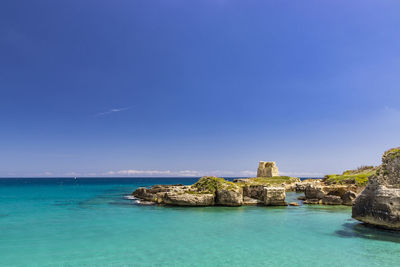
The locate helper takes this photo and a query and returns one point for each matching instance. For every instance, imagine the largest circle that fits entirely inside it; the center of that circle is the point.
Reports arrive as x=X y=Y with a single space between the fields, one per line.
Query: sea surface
x=91 y=222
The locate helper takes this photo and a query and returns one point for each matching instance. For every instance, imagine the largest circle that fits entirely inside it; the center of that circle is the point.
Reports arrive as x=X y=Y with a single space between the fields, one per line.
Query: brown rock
x=332 y=200
x=348 y=198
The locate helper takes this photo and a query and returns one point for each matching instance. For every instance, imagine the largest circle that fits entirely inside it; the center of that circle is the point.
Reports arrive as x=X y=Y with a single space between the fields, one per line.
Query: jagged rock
x=187 y=199
x=379 y=203
x=144 y=193
x=254 y=191
x=233 y=197
x=301 y=187
x=274 y=196
x=331 y=193
x=348 y=198
x=332 y=200
x=314 y=192
x=267 y=169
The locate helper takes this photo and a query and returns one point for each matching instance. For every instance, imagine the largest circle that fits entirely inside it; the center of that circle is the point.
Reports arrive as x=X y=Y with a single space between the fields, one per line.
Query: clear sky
x=188 y=88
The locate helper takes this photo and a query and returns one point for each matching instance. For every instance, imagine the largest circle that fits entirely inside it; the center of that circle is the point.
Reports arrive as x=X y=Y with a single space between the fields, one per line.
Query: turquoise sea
x=90 y=222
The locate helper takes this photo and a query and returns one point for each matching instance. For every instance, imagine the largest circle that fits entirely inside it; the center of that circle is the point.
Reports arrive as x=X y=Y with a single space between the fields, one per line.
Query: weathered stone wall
x=267 y=169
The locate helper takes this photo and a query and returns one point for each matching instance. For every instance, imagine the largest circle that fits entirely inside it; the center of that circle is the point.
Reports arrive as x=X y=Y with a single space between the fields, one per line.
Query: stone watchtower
x=267 y=169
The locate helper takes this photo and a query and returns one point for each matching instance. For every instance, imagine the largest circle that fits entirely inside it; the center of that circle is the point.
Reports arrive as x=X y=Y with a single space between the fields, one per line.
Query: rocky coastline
x=373 y=192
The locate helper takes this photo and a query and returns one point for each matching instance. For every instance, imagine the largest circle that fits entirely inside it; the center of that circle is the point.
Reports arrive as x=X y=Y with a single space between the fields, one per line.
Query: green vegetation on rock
x=358 y=177
x=392 y=153
x=210 y=184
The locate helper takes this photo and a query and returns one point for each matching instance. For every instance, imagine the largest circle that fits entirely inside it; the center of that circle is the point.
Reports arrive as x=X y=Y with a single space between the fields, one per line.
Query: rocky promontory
x=379 y=203
x=210 y=191
x=338 y=189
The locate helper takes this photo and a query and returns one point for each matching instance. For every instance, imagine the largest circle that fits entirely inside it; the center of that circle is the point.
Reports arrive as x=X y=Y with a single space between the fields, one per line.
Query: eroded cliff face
x=379 y=203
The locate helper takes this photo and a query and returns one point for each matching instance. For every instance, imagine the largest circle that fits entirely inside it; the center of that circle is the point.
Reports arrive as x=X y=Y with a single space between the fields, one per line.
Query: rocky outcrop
x=331 y=200
x=379 y=203
x=301 y=186
x=348 y=198
x=187 y=199
x=209 y=191
x=329 y=194
x=232 y=197
x=274 y=196
x=253 y=191
x=267 y=169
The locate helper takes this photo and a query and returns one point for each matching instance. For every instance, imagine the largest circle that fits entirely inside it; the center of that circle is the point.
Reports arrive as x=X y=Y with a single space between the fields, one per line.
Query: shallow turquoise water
x=88 y=222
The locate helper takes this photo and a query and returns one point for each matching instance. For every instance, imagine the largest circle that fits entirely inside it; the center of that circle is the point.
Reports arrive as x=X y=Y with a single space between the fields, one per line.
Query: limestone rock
x=328 y=194
x=313 y=201
x=348 y=198
x=232 y=197
x=274 y=196
x=254 y=191
x=379 y=203
x=187 y=199
x=144 y=193
x=251 y=201
x=267 y=169
x=314 y=192
x=332 y=200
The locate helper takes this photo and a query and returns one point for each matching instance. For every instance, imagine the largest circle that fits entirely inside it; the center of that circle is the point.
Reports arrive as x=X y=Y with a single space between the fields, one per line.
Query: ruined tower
x=267 y=169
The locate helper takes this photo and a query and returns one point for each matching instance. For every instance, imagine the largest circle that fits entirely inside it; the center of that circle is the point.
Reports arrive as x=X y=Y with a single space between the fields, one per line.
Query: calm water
x=88 y=222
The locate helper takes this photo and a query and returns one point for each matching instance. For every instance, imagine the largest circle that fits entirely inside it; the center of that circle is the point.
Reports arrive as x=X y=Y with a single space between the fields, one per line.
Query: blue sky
x=191 y=88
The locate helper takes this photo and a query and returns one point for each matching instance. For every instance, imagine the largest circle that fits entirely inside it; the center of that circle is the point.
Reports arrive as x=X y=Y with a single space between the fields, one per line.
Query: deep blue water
x=90 y=222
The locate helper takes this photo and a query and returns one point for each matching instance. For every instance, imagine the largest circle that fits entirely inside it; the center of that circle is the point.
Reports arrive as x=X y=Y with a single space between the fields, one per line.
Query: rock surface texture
x=267 y=169
x=379 y=203
x=329 y=194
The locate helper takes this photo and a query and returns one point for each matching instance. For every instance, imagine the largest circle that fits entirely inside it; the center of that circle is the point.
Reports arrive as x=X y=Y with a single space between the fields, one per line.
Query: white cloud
x=111 y=111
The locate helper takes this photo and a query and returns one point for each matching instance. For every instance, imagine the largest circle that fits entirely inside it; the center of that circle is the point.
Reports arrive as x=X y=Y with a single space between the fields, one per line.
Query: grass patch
x=358 y=177
x=209 y=185
x=392 y=153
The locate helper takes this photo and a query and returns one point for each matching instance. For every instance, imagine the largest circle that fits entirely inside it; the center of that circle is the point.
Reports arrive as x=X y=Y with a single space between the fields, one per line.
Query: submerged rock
x=379 y=203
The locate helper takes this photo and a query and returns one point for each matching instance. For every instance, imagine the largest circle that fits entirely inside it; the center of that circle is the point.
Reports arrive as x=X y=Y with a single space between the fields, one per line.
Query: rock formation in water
x=210 y=191
x=321 y=193
x=267 y=169
x=379 y=203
